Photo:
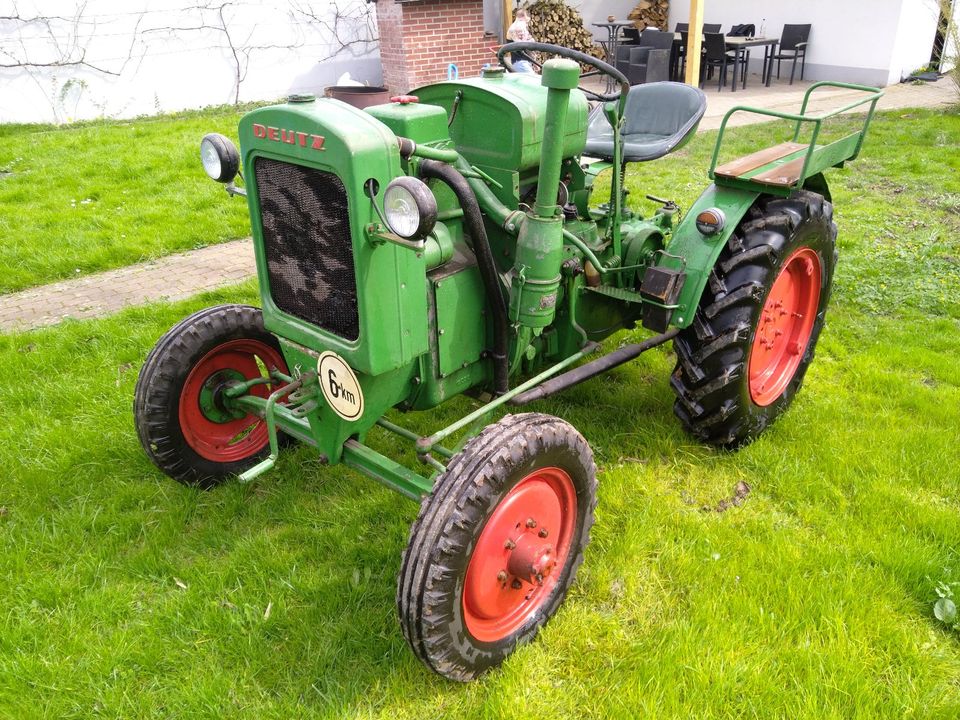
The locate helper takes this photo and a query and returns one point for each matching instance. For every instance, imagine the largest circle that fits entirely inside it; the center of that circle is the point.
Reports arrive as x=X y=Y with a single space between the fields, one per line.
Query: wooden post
x=694 y=41
x=507 y=12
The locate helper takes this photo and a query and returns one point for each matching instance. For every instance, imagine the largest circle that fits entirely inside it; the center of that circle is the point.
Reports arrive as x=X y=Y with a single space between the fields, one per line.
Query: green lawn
x=126 y=595
x=93 y=196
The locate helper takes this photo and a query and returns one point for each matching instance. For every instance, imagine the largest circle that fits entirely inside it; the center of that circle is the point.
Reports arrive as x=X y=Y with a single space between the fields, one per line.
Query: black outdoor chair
x=716 y=56
x=650 y=61
x=793 y=46
x=678 y=61
x=711 y=28
x=658 y=119
x=622 y=61
x=631 y=35
x=679 y=58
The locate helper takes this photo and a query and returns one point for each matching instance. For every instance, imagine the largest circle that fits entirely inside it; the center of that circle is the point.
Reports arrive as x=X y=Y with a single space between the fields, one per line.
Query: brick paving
x=180 y=276
x=174 y=277
x=788 y=98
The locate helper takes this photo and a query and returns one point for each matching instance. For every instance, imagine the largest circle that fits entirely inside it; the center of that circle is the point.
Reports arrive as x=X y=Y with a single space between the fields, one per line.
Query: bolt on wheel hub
x=515 y=564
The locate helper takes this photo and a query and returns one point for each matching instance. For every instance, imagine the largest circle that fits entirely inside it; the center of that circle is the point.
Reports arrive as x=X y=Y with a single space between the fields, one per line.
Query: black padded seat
x=658 y=119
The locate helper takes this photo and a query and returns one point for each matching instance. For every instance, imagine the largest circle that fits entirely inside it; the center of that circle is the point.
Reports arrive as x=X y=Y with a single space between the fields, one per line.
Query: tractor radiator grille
x=306 y=234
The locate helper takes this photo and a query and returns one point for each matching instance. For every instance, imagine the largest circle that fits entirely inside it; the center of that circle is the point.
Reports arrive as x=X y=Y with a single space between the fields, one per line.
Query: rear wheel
x=497 y=544
x=182 y=421
x=742 y=360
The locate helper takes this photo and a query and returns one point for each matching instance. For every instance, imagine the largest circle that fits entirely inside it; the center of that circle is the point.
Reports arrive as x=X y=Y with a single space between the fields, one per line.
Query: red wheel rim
x=235 y=439
x=785 y=325
x=520 y=554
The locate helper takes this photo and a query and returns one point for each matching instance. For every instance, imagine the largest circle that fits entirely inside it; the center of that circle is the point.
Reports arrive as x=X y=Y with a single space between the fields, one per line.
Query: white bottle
x=763 y=22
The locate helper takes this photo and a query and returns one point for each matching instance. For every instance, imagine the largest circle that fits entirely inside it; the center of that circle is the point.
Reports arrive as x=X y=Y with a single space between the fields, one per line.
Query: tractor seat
x=658 y=119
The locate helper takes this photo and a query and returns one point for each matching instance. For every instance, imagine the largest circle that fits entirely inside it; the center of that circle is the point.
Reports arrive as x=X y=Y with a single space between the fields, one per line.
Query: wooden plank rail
x=741 y=166
x=786 y=174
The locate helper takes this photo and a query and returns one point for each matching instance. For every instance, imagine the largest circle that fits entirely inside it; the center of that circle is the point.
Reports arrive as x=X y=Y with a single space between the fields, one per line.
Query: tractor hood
x=500 y=118
x=322 y=132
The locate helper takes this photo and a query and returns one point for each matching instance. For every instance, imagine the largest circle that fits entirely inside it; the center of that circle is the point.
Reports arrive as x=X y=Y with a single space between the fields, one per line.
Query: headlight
x=410 y=208
x=220 y=158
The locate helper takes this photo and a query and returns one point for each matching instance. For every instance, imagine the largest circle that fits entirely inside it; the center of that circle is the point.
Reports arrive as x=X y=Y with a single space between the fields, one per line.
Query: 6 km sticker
x=340 y=386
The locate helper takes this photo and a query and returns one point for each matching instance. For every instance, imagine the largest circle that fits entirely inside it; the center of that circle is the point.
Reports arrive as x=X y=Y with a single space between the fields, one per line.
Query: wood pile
x=650 y=13
x=555 y=22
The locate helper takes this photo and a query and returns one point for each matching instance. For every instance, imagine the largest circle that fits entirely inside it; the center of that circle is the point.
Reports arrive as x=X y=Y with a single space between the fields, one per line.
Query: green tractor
x=448 y=243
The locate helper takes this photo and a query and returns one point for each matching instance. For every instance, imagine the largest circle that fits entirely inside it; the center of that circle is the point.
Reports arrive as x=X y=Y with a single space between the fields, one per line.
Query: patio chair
x=648 y=65
x=658 y=119
x=716 y=56
x=650 y=62
x=631 y=36
x=793 y=46
x=711 y=28
x=622 y=61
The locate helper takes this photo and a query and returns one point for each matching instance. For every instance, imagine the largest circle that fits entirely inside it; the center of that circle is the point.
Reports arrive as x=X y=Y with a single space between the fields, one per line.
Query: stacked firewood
x=650 y=13
x=555 y=22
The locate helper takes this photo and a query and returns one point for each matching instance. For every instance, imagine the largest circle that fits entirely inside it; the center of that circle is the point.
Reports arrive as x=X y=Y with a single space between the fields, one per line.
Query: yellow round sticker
x=340 y=386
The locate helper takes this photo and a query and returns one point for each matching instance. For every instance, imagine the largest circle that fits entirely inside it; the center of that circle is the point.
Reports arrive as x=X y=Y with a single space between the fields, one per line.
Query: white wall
x=597 y=11
x=164 y=66
x=852 y=40
x=915 y=33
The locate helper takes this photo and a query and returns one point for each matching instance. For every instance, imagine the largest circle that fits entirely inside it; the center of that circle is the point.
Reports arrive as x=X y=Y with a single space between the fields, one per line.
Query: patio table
x=739 y=46
x=613 y=41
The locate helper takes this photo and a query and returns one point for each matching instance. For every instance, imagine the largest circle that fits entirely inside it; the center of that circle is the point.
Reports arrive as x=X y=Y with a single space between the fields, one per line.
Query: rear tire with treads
x=742 y=360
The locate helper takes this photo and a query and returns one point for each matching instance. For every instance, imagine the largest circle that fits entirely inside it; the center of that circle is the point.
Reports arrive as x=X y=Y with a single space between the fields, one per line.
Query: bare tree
x=353 y=29
x=950 y=51
x=57 y=51
x=66 y=42
x=218 y=18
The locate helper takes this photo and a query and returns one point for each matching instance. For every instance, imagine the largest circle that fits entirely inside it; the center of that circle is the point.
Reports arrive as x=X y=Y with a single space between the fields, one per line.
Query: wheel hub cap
x=785 y=325
x=218 y=433
x=516 y=562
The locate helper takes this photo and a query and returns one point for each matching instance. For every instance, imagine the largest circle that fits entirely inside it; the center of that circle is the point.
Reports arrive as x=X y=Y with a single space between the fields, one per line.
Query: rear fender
x=818 y=184
x=694 y=253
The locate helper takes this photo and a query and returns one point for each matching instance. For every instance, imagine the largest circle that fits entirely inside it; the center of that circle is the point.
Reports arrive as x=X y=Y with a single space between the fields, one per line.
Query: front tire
x=742 y=360
x=183 y=426
x=497 y=544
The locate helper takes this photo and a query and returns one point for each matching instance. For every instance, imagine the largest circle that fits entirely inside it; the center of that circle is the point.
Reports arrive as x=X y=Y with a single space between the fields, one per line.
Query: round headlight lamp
x=409 y=207
x=220 y=158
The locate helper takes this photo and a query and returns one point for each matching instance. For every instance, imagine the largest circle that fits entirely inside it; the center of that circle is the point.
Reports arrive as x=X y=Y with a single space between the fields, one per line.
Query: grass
x=126 y=595
x=100 y=195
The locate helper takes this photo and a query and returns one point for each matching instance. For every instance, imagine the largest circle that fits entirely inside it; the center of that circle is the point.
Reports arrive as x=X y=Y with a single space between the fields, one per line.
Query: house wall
x=419 y=39
x=851 y=40
x=593 y=11
x=916 y=29
x=164 y=61
x=596 y=11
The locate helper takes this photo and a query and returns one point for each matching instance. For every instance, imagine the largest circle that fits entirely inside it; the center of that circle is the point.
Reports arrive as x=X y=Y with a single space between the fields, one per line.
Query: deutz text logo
x=291 y=137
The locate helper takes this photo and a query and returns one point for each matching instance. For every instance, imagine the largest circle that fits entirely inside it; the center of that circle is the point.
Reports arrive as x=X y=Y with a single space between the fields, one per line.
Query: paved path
x=788 y=98
x=176 y=277
x=173 y=277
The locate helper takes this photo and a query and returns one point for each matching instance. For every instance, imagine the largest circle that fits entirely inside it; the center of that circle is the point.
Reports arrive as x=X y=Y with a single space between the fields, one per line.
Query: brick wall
x=418 y=40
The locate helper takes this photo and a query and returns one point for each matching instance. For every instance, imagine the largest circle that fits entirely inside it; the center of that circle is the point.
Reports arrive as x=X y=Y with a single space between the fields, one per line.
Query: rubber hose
x=488 y=269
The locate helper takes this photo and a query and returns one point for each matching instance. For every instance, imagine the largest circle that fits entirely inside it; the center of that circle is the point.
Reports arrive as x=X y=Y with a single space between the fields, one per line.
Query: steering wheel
x=600 y=67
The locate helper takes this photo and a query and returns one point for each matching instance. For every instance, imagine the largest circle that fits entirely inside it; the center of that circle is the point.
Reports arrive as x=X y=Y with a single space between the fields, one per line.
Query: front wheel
x=497 y=544
x=184 y=425
x=743 y=358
